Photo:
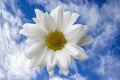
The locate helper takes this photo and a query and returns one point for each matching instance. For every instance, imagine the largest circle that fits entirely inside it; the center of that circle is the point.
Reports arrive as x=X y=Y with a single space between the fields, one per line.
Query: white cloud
x=13 y=64
x=109 y=64
x=17 y=67
x=109 y=68
x=76 y=76
x=2 y=74
x=57 y=78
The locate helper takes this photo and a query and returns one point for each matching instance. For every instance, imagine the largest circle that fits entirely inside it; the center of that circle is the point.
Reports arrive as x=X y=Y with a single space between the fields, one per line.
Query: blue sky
x=103 y=19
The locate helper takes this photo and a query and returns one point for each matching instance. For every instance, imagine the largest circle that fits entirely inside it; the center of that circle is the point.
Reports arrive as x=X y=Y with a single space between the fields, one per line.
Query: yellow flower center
x=55 y=40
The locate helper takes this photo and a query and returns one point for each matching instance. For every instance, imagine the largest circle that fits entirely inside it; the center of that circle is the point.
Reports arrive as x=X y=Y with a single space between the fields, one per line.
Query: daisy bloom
x=54 y=39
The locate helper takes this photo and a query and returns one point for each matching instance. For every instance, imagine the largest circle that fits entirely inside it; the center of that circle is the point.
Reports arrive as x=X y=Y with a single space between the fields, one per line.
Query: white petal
x=49 y=23
x=30 y=41
x=73 y=18
x=62 y=61
x=51 y=73
x=72 y=28
x=85 y=40
x=76 y=51
x=33 y=63
x=65 y=71
x=39 y=17
x=66 y=18
x=32 y=30
x=75 y=32
x=50 y=60
x=39 y=13
x=68 y=57
x=82 y=54
x=69 y=19
x=38 y=21
x=41 y=61
x=71 y=50
x=57 y=14
x=36 y=50
x=25 y=32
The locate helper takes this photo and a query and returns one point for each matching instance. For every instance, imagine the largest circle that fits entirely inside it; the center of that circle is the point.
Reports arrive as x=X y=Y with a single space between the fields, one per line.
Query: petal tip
x=28 y=56
x=65 y=72
x=85 y=57
x=51 y=73
x=60 y=7
x=91 y=39
x=21 y=31
x=37 y=11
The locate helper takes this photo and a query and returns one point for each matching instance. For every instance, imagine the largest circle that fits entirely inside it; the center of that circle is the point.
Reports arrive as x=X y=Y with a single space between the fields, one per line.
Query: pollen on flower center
x=55 y=40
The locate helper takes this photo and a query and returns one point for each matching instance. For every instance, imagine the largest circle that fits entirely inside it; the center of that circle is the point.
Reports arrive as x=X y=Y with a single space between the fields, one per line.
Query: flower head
x=54 y=39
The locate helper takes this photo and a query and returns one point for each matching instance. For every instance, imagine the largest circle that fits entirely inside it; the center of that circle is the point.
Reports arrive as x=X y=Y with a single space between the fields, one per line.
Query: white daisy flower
x=54 y=39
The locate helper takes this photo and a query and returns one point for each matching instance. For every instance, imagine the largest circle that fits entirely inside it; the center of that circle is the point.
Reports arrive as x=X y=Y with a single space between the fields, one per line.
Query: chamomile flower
x=54 y=39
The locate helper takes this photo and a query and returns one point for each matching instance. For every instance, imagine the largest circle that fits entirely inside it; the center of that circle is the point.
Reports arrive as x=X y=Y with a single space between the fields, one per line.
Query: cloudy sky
x=103 y=19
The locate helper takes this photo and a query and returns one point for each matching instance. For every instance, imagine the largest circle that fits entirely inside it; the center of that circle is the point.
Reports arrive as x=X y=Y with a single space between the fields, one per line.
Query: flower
x=54 y=39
